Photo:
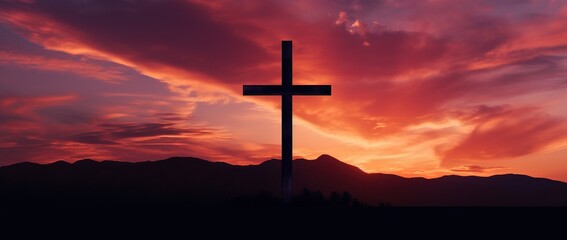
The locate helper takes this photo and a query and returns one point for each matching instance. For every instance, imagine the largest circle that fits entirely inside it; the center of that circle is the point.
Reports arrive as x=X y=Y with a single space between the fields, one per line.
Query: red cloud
x=175 y=34
x=22 y=107
x=507 y=133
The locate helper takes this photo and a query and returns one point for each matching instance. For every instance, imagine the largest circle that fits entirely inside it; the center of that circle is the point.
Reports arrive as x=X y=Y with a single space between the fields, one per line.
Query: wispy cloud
x=474 y=169
x=81 y=67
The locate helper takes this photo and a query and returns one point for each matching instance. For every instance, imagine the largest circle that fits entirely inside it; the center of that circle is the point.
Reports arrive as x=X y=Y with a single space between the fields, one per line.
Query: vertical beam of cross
x=287 y=120
x=287 y=90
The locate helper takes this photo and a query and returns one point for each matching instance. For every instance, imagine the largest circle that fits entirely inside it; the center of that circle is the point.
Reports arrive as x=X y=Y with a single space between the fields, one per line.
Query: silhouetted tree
x=335 y=199
x=346 y=199
x=309 y=198
x=306 y=198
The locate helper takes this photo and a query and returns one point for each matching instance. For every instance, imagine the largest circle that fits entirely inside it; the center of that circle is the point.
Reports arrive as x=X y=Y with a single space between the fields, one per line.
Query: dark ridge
x=59 y=163
x=85 y=162
x=271 y=162
x=22 y=165
x=188 y=180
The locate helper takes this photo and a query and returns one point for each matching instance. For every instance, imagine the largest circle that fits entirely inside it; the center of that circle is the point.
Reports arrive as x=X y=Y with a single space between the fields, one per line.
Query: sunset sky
x=420 y=87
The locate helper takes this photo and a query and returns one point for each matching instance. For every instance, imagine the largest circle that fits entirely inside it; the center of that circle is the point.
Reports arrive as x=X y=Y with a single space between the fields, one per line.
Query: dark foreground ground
x=188 y=198
x=188 y=222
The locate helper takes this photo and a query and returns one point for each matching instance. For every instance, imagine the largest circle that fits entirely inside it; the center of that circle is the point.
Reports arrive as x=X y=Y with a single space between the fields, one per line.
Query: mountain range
x=198 y=181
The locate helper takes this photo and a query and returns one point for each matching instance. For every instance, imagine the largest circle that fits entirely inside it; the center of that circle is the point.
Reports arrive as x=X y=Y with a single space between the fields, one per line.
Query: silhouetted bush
x=335 y=199
x=306 y=198
x=309 y=198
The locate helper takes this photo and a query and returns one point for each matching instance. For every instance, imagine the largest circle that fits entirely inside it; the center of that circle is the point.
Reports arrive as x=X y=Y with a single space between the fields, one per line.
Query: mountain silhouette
x=185 y=180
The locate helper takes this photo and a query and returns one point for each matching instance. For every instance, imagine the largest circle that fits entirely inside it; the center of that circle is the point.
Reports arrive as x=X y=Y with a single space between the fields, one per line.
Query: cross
x=286 y=90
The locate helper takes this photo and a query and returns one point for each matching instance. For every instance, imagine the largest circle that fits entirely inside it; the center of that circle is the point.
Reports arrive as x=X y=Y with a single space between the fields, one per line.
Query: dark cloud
x=140 y=130
x=177 y=34
x=92 y=138
x=110 y=133
x=9 y=117
x=66 y=115
x=172 y=117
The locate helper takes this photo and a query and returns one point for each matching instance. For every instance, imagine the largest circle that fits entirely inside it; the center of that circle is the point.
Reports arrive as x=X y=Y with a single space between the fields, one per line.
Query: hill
x=187 y=180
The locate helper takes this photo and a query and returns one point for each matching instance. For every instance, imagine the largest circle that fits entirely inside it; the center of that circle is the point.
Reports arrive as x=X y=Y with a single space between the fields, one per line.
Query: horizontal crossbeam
x=258 y=90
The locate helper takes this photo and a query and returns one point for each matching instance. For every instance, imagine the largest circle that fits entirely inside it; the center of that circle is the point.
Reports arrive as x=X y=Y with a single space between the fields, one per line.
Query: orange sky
x=420 y=87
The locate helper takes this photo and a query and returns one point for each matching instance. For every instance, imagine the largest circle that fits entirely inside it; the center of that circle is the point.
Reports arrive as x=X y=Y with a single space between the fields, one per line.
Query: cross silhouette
x=286 y=90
